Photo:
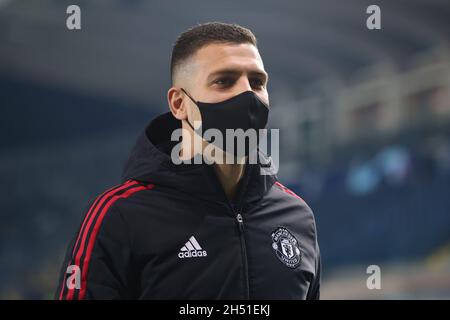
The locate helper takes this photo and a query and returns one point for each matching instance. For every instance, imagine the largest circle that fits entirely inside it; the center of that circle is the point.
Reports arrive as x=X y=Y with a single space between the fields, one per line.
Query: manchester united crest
x=286 y=247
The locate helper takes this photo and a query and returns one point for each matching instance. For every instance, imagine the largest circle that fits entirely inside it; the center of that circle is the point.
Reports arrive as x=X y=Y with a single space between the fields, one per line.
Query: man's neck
x=229 y=176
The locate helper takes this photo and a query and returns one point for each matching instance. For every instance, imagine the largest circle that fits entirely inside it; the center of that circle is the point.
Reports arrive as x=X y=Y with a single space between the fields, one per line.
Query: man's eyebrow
x=234 y=72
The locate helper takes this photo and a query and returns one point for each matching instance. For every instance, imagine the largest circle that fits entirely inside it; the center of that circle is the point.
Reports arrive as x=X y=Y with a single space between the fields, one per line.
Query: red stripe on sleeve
x=84 y=230
x=95 y=231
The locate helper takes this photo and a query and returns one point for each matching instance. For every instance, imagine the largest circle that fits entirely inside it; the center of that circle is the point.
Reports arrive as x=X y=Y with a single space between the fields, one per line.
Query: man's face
x=221 y=71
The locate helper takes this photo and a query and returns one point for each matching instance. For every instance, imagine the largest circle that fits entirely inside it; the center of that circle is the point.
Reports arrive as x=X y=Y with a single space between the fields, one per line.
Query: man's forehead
x=215 y=56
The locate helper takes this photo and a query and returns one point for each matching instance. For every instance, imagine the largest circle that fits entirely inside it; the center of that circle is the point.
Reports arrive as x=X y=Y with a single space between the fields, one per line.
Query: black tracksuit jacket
x=169 y=232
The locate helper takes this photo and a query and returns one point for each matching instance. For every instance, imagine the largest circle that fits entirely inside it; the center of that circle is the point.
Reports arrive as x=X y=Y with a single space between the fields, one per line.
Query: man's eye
x=224 y=81
x=257 y=83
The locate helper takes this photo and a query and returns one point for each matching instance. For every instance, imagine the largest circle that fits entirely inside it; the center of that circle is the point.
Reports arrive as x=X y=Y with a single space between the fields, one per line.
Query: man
x=198 y=231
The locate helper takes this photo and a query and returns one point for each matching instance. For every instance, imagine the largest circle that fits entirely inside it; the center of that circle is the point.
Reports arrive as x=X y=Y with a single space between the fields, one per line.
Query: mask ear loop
x=187 y=120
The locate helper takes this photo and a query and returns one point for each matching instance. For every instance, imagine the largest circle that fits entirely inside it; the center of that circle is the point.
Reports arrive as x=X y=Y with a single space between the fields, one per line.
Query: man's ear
x=177 y=103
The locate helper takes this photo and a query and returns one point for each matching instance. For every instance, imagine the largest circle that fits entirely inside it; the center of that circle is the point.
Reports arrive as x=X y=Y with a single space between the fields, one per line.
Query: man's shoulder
x=293 y=201
x=114 y=198
x=287 y=193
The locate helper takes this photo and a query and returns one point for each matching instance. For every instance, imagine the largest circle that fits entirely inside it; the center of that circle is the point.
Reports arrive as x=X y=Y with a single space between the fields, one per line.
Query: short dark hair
x=201 y=35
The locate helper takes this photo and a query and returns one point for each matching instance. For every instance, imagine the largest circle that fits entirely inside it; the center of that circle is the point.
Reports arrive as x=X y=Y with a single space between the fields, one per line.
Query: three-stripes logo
x=191 y=249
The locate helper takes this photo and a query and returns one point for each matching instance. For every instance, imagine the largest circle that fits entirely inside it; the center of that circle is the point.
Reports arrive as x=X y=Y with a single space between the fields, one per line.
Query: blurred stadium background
x=364 y=117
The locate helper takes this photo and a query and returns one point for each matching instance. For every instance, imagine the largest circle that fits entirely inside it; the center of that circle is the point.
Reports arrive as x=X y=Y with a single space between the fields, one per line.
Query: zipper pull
x=239 y=218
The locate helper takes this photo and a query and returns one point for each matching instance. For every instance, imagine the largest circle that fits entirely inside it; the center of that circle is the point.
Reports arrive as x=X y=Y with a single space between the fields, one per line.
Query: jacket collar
x=149 y=161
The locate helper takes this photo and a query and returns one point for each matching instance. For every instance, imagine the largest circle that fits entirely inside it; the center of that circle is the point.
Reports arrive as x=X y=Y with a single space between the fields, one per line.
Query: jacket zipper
x=240 y=222
x=244 y=254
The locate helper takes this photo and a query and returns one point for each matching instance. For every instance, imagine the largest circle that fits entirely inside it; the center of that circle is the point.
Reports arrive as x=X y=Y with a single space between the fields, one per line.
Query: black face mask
x=243 y=111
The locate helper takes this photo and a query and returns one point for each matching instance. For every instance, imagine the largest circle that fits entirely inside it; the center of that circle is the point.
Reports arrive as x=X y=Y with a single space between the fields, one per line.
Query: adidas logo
x=191 y=250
